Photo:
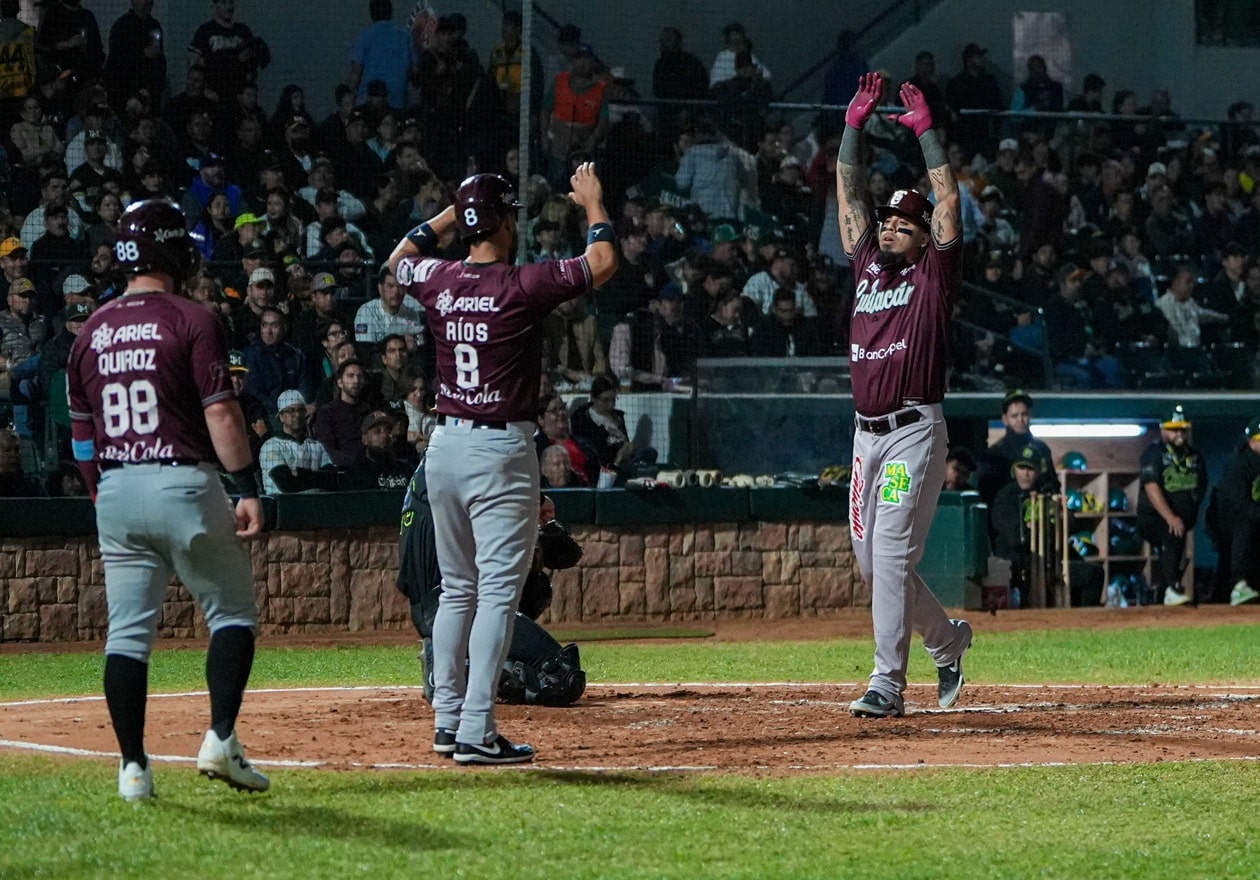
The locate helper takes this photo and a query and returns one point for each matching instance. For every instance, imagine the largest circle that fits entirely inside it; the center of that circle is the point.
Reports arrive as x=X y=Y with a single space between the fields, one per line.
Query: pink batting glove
x=870 y=88
x=919 y=117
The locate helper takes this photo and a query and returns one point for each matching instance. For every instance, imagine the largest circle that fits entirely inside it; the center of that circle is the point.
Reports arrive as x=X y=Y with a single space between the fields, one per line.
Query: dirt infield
x=758 y=729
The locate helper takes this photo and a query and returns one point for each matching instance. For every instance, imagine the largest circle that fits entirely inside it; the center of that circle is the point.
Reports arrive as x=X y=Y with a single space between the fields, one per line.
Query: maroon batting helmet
x=152 y=238
x=909 y=204
x=482 y=203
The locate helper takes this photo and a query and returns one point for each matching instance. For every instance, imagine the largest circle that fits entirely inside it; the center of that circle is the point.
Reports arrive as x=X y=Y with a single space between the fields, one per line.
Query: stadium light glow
x=1096 y=430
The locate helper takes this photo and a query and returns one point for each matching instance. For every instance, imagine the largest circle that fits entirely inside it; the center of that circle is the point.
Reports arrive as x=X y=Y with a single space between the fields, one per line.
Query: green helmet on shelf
x=1074 y=461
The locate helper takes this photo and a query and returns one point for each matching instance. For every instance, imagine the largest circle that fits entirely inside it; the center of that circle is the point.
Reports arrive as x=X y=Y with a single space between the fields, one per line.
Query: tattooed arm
x=947 y=216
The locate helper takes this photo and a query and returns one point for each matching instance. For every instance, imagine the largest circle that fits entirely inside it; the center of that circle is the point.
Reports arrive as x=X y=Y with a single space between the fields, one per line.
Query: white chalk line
x=44 y=748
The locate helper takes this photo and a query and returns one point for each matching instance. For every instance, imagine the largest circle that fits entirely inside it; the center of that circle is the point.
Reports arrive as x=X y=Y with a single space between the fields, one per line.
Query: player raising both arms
x=908 y=269
x=485 y=316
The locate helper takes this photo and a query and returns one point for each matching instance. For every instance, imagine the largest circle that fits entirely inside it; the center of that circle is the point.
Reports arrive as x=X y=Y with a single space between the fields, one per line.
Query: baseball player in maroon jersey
x=908 y=268
x=485 y=316
x=152 y=412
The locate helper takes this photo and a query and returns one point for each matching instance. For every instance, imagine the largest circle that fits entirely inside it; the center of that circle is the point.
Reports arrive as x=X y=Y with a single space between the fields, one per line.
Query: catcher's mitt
x=559 y=550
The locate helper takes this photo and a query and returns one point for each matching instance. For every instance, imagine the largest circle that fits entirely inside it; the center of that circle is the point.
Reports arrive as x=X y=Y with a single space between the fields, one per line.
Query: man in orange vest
x=575 y=115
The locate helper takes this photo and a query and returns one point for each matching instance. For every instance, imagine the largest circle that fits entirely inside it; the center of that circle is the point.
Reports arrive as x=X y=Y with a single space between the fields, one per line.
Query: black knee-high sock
x=126 y=688
x=228 y=662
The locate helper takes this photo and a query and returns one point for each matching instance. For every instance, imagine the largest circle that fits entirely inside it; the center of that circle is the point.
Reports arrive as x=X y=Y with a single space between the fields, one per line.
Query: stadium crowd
x=1110 y=243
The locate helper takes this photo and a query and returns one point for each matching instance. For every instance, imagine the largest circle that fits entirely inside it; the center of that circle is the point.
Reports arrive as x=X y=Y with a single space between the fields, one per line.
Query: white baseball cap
x=289 y=398
x=1008 y=144
x=260 y=275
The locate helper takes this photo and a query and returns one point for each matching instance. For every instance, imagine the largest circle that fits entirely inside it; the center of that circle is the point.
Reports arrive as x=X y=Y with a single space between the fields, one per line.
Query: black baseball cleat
x=499 y=751
x=874 y=705
x=950 y=679
x=444 y=742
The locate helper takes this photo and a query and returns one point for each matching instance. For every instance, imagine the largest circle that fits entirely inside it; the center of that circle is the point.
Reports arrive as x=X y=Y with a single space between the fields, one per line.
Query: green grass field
x=62 y=817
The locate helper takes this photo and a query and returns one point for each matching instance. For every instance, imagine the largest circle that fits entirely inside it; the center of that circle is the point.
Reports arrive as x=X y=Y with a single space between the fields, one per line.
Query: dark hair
x=336 y=221
x=545 y=400
x=326 y=196
x=1094 y=82
x=963 y=456
x=347 y=364
x=602 y=385
x=380 y=10
x=383 y=345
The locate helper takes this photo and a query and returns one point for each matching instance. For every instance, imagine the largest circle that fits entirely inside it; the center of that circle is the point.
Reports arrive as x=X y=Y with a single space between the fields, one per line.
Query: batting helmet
x=909 y=204
x=1117 y=500
x=152 y=238
x=1083 y=544
x=1074 y=461
x=482 y=203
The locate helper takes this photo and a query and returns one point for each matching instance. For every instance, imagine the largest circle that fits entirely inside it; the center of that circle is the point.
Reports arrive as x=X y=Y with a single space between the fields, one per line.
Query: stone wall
x=333 y=580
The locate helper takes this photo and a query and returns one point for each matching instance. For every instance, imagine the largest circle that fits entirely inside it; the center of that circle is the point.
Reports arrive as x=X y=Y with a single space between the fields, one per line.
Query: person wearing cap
x=290 y=459
x=657 y=346
x=97 y=122
x=743 y=101
x=310 y=324
x=318 y=238
x=14 y=262
x=260 y=294
x=337 y=424
x=973 y=88
x=55 y=353
x=1009 y=515
x=781 y=273
x=378 y=465
x=93 y=177
x=1233 y=523
x=1017 y=442
x=255 y=413
x=210 y=180
x=1174 y=481
x=322 y=176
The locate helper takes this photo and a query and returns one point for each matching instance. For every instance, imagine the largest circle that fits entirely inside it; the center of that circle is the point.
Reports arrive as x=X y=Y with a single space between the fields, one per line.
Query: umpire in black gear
x=538 y=670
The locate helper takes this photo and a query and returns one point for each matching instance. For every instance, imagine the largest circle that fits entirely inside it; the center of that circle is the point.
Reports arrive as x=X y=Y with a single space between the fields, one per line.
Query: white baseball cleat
x=225 y=759
x=135 y=784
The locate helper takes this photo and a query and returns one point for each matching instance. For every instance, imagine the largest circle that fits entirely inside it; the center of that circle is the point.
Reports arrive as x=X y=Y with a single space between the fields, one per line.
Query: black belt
x=489 y=426
x=164 y=462
x=889 y=423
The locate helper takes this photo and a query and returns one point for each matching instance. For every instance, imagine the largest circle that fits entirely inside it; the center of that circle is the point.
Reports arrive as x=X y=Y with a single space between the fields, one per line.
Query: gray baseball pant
x=895 y=486
x=483 y=489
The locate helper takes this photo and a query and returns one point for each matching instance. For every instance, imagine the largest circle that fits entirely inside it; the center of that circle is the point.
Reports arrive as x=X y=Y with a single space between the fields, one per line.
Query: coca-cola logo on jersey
x=139 y=451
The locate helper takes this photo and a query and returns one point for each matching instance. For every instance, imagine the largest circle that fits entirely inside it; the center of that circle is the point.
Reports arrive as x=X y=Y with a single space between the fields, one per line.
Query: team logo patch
x=856 y=487
x=102 y=337
x=444 y=303
x=896 y=481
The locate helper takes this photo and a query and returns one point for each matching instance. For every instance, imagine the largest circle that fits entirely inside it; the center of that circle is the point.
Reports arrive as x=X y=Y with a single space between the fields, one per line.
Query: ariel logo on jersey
x=896 y=481
x=104 y=336
x=856 y=486
x=872 y=298
x=446 y=303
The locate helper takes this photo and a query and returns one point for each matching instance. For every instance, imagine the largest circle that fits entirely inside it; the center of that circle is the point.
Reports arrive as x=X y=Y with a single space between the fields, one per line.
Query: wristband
x=933 y=153
x=422 y=236
x=243 y=483
x=851 y=146
x=601 y=232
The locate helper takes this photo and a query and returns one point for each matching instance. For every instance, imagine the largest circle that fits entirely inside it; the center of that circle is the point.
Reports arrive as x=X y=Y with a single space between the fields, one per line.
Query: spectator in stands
x=136 y=58
x=846 y=68
x=1041 y=93
x=376 y=465
x=656 y=347
x=574 y=116
x=1185 y=315
x=393 y=311
x=389 y=386
x=993 y=229
x=97 y=122
x=974 y=88
x=1043 y=205
x=194 y=98
x=785 y=332
x=247 y=229
x=313 y=321
x=736 y=41
x=573 y=352
x=504 y=67
x=338 y=424
x=256 y=423
x=56 y=249
x=14 y=263
x=291 y=460
x=553 y=430
x=1226 y=292
x=449 y=73
x=260 y=295
x=557 y=469
x=274 y=364
x=13 y=482
x=54 y=188
x=678 y=74
x=1016 y=444
x=717 y=174
x=568 y=46
x=742 y=102
x=211 y=179
x=725 y=332
x=1078 y=359
x=93 y=178
x=782 y=273
x=228 y=50
x=1167 y=232
x=338 y=348
x=70 y=38
x=355 y=164
x=214 y=224
x=55 y=353
x=283 y=230
x=384 y=51
x=960 y=464
x=19 y=39
x=1090 y=98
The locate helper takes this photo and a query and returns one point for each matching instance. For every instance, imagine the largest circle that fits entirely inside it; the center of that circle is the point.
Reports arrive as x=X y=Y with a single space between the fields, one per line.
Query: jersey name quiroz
x=129 y=372
x=900 y=326
x=486 y=324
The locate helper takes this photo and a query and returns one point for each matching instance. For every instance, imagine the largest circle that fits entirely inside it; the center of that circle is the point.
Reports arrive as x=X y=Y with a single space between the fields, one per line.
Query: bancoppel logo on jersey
x=858 y=353
x=446 y=303
x=872 y=298
x=105 y=336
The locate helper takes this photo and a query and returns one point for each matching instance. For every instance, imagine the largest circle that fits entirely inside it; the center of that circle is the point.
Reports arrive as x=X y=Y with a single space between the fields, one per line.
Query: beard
x=889 y=259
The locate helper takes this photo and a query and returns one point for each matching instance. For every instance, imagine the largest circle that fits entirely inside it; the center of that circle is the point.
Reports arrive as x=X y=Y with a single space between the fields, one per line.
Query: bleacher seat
x=1194 y=367
x=1145 y=365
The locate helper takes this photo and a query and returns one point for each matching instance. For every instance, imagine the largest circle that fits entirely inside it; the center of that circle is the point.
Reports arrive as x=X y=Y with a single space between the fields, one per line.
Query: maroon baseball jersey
x=486 y=323
x=900 y=326
x=142 y=371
